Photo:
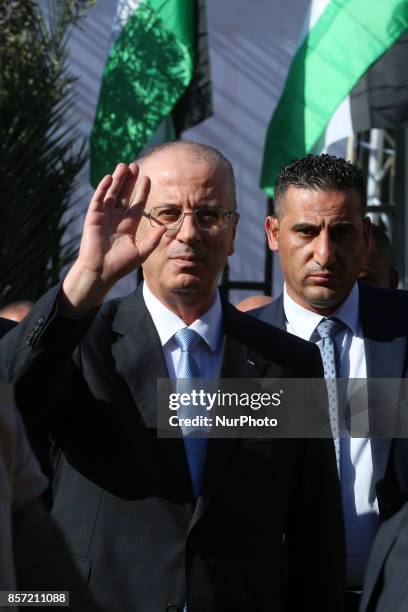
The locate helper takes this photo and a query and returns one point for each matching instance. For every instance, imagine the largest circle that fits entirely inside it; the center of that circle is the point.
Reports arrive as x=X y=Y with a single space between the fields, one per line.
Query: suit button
x=173 y=608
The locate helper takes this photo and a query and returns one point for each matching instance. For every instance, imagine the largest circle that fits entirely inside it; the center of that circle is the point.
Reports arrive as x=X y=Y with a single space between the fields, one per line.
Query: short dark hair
x=324 y=172
x=197 y=151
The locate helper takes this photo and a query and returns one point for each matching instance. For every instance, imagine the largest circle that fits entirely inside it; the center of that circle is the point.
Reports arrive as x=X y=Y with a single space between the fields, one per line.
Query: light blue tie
x=188 y=379
x=326 y=331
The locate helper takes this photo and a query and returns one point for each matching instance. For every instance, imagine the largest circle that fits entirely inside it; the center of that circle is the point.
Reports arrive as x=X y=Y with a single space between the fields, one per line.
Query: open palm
x=109 y=247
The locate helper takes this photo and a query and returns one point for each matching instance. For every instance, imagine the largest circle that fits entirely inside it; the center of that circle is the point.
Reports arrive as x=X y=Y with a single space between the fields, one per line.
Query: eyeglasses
x=173 y=216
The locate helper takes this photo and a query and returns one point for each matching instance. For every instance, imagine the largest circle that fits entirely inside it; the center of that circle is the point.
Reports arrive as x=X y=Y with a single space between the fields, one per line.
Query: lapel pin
x=249 y=362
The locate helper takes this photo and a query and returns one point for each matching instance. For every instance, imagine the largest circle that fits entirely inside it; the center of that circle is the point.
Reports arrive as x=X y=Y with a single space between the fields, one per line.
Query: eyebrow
x=200 y=205
x=298 y=227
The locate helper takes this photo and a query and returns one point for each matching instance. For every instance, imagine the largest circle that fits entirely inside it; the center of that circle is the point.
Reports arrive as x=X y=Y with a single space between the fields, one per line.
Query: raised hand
x=109 y=249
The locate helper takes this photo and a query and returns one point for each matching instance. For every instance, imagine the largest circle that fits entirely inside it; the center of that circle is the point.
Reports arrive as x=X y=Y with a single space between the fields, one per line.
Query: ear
x=234 y=233
x=272 y=232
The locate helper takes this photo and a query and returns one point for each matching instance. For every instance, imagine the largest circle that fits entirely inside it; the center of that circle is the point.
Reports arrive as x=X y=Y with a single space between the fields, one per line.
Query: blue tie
x=326 y=331
x=188 y=374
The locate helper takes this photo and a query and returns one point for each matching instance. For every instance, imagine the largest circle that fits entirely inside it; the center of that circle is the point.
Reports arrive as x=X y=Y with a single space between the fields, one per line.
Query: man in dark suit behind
x=321 y=233
x=145 y=540
x=378 y=267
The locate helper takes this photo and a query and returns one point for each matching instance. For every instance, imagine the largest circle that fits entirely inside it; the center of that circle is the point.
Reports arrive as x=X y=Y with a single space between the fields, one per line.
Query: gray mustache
x=318 y=269
x=188 y=253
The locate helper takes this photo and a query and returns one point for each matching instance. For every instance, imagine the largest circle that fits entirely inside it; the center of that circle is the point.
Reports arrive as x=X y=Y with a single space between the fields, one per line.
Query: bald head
x=183 y=270
x=196 y=152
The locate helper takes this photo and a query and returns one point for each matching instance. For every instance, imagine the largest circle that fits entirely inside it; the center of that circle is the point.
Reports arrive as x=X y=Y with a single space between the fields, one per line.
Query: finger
x=98 y=197
x=119 y=177
x=140 y=195
x=150 y=242
x=125 y=196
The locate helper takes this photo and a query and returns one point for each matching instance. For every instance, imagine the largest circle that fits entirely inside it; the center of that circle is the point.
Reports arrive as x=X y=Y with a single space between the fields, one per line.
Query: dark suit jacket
x=386 y=581
x=123 y=496
x=6 y=325
x=384 y=318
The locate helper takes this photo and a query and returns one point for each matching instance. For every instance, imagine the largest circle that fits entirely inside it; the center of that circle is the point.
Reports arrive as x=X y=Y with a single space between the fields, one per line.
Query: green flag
x=149 y=69
x=345 y=40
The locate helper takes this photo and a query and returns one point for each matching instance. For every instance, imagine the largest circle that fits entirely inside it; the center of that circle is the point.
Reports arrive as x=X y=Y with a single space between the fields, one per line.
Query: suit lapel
x=138 y=354
x=139 y=360
x=238 y=361
x=385 y=354
x=384 y=345
x=273 y=313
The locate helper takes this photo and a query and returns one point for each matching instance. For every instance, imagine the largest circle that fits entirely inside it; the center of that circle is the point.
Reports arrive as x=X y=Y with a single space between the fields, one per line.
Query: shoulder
x=272 y=313
x=384 y=309
x=377 y=296
x=268 y=340
x=121 y=314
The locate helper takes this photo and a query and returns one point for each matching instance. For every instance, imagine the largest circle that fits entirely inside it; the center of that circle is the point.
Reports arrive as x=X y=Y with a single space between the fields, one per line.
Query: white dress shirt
x=359 y=502
x=207 y=354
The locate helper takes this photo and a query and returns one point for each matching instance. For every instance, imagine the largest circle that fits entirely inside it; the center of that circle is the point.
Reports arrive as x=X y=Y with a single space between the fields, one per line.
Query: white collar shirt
x=207 y=354
x=359 y=501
